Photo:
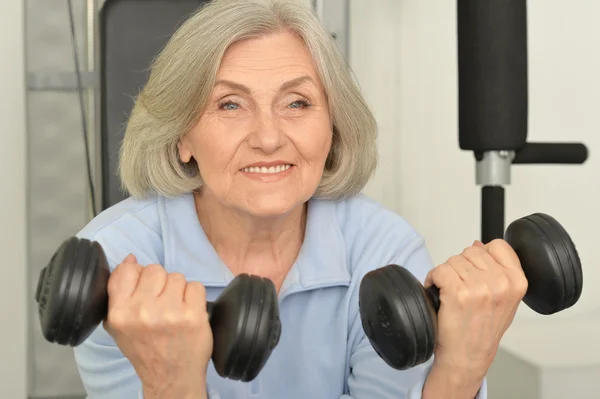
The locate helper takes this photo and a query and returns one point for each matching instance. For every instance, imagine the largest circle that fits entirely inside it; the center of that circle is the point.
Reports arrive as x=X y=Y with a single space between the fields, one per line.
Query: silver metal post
x=494 y=168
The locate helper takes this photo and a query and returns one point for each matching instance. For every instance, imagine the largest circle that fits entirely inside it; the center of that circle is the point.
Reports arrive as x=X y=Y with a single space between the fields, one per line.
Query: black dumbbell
x=73 y=300
x=399 y=316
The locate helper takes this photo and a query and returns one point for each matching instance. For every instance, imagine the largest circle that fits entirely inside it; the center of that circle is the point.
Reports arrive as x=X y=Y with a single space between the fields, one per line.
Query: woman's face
x=263 y=139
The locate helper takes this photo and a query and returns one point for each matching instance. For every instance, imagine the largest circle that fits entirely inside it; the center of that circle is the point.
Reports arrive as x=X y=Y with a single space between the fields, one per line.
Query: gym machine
x=398 y=314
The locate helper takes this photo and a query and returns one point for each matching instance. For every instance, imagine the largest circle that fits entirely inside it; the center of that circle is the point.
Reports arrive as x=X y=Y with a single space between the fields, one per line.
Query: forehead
x=281 y=55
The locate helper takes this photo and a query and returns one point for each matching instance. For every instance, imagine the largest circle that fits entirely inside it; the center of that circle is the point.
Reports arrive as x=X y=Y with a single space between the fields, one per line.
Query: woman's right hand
x=160 y=323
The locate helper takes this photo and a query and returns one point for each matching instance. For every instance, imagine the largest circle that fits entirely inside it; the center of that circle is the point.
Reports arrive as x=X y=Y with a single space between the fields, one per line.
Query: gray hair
x=181 y=80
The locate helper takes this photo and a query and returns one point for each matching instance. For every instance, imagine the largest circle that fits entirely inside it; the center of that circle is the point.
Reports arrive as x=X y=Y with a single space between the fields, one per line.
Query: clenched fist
x=160 y=323
x=480 y=291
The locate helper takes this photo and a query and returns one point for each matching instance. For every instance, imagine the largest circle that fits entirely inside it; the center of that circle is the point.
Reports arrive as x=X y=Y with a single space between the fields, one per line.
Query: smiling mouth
x=266 y=170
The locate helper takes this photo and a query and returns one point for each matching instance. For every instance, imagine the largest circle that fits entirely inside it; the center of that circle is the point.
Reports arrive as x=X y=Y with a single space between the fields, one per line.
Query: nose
x=267 y=135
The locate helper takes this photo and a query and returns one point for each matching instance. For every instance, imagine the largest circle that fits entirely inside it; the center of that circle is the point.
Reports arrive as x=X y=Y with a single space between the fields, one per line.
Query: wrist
x=168 y=391
x=451 y=383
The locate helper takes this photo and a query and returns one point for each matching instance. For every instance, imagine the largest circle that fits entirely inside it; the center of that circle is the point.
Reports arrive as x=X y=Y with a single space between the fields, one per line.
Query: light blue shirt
x=323 y=352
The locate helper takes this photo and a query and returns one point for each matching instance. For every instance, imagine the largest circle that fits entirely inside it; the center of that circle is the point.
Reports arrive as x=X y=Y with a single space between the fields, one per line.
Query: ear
x=185 y=153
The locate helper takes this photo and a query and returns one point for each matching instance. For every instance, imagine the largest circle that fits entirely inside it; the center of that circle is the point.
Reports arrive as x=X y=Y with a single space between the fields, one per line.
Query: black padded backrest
x=132 y=33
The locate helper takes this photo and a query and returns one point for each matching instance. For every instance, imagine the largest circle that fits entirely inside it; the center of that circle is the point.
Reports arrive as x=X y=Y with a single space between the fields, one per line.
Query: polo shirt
x=323 y=352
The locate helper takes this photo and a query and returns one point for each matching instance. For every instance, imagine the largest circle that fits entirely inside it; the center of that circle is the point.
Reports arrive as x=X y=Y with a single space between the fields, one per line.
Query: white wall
x=13 y=199
x=404 y=55
x=375 y=58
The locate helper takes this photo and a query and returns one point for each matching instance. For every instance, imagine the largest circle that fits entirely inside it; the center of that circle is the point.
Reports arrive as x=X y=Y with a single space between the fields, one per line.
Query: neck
x=266 y=247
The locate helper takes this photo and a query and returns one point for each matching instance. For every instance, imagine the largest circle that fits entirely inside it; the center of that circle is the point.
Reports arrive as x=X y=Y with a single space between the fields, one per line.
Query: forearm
x=450 y=384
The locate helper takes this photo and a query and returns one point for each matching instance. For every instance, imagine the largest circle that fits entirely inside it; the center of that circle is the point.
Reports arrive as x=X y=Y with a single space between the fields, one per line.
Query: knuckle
x=521 y=285
x=118 y=319
x=172 y=319
x=499 y=247
x=477 y=295
x=501 y=285
x=463 y=296
x=191 y=318
x=483 y=294
x=147 y=318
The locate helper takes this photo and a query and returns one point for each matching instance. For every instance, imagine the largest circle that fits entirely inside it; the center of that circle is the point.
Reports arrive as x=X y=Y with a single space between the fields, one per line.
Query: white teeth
x=264 y=169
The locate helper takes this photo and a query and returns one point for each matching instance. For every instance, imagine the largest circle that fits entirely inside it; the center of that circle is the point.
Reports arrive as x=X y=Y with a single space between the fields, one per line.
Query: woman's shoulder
x=132 y=225
x=363 y=216
x=374 y=235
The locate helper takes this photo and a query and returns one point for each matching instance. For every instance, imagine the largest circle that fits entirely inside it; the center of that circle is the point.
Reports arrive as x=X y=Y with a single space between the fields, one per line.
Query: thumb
x=130 y=259
x=478 y=243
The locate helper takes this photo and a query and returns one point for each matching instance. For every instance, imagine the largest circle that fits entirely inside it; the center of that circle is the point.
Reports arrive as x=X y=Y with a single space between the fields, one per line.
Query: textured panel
x=57 y=183
x=48 y=34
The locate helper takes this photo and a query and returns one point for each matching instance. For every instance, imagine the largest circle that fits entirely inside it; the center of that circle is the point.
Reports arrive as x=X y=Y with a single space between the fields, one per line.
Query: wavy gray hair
x=181 y=80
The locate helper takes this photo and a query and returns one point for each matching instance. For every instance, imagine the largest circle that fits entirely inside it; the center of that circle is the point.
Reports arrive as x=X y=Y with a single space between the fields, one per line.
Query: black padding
x=550 y=262
x=132 y=33
x=399 y=316
x=492 y=74
x=72 y=301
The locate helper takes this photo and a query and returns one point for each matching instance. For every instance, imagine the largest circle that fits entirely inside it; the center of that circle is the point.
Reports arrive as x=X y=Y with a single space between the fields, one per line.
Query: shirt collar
x=321 y=261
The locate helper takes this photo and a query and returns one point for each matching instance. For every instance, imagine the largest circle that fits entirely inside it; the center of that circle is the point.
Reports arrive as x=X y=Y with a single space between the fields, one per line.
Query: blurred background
x=404 y=56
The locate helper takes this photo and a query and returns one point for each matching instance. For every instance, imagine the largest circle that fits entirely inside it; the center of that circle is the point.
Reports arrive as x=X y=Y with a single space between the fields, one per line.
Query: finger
x=504 y=254
x=443 y=276
x=461 y=265
x=174 y=289
x=479 y=257
x=130 y=259
x=195 y=295
x=124 y=279
x=478 y=243
x=152 y=281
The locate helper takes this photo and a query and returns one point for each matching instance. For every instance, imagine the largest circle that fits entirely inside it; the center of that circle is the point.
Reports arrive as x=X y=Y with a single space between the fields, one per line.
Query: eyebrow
x=285 y=86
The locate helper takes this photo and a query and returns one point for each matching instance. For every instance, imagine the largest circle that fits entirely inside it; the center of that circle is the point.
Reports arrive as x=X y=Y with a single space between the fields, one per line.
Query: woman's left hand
x=480 y=291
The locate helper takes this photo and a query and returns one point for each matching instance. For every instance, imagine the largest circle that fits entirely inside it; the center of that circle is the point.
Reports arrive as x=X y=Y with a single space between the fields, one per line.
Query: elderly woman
x=246 y=153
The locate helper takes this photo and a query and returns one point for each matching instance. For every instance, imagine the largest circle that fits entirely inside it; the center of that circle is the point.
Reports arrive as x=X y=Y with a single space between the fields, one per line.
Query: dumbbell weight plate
x=245 y=330
x=396 y=318
x=549 y=260
x=71 y=292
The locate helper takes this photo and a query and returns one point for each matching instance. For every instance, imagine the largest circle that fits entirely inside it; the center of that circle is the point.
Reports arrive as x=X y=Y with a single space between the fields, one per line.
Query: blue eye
x=229 y=106
x=299 y=104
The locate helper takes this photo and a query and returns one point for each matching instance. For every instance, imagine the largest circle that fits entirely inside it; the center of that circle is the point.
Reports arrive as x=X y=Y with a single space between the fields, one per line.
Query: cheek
x=315 y=147
x=215 y=150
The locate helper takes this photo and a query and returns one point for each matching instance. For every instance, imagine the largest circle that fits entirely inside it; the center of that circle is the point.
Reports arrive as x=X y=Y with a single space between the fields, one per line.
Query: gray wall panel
x=57 y=186
x=56 y=211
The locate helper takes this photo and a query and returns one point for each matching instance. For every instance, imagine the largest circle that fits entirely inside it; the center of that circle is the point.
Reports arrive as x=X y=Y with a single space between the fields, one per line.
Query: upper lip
x=267 y=164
